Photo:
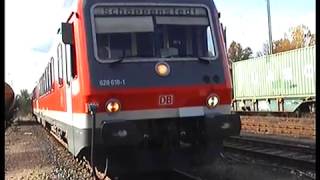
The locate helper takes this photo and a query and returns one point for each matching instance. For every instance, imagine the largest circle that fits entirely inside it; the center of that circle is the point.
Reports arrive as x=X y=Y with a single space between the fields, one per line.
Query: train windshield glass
x=177 y=33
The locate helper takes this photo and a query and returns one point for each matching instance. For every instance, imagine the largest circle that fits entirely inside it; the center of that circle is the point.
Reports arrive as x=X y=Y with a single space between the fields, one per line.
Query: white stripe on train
x=83 y=120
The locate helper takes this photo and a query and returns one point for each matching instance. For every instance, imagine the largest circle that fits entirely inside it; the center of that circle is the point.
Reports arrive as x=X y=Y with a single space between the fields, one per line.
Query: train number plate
x=165 y=99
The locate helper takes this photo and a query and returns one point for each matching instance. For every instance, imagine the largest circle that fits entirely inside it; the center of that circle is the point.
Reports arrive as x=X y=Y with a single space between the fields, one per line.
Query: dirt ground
x=31 y=154
x=26 y=151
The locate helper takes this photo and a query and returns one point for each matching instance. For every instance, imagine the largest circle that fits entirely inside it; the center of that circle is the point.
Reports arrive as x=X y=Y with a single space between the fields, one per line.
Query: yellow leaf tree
x=300 y=36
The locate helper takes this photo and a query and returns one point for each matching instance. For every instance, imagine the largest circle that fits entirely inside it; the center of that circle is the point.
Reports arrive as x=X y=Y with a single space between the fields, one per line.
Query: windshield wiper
x=201 y=59
x=205 y=59
x=118 y=60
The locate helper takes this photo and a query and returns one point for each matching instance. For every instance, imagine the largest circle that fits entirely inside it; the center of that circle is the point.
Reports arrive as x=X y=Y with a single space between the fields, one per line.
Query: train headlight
x=113 y=105
x=212 y=101
x=162 y=68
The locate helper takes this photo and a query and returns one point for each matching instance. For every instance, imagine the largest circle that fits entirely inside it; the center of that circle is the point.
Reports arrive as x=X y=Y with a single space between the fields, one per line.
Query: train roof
x=206 y=2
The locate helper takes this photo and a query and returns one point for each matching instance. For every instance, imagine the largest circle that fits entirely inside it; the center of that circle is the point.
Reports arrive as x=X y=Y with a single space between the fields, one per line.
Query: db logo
x=165 y=99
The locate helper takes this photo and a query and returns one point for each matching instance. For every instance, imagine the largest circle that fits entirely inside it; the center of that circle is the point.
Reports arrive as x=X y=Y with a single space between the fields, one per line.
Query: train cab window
x=145 y=45
x=185 y=37
x=114 y=46
x=155 y=35
x=119 y=36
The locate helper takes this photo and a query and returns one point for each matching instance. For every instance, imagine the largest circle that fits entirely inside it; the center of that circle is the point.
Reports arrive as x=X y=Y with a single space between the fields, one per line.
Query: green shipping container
x=289 y=76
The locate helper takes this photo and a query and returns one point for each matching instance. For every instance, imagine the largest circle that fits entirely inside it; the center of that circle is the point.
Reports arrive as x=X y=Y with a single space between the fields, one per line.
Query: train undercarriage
x=149 y=145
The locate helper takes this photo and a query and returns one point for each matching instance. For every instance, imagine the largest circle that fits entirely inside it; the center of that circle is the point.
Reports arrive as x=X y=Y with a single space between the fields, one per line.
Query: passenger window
x=60 y=65
x=45 y=80
x=73 y=61
x=50 y=76
x=66 y=63
x=52 y=71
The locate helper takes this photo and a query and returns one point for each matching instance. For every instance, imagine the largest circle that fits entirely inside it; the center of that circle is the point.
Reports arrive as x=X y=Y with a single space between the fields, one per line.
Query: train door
x=68 y=93
x=71 y=83
x=68 y=81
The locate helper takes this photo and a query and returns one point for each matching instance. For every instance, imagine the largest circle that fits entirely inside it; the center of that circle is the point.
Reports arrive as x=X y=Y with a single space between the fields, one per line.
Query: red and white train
x=155 y=70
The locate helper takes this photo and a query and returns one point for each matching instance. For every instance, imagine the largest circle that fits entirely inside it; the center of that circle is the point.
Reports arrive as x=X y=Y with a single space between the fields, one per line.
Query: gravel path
x=30 y=153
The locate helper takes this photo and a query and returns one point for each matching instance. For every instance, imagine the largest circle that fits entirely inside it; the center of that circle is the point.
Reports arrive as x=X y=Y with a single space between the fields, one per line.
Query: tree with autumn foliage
x=23 y=101
x=236 y=53
x=300 y=36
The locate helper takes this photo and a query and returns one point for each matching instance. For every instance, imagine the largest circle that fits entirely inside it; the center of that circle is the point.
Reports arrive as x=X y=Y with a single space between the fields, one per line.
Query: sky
x=31 y=25
x=247 y=21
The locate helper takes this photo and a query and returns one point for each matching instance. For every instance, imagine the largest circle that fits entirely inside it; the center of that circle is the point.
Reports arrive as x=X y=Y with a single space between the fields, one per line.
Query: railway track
x=284 y=153
x=173 y=174
x=277 y=114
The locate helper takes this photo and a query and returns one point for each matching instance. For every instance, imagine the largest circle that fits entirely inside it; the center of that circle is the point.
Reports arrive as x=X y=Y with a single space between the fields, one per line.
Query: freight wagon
x=9 y=98
x=282 y=82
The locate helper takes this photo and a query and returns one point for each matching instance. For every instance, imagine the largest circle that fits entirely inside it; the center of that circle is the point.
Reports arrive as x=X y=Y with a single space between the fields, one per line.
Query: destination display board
x=144 y=11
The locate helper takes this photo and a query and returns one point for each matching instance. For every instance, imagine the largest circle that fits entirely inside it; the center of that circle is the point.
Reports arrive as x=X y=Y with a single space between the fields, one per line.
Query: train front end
x=159 y=77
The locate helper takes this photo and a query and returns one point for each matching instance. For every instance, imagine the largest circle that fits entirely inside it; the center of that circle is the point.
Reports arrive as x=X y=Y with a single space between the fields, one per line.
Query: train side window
x=50 y=76
x=42 y=85
x=66 y=53
x=70 y=54
x=60 y=64
x=45 y=80
x=58 y=60
x=52 y=72
x=71 y=49
x=47 y=75
x=41 y=88
x=73 y=59
x=40 y=82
